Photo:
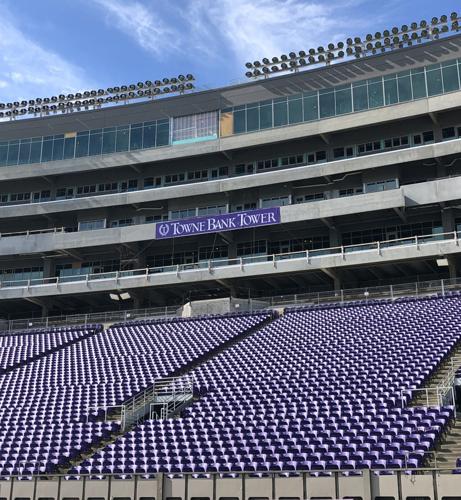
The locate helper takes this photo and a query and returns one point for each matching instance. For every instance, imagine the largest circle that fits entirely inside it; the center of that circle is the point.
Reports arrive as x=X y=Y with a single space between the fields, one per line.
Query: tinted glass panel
x=360 y=95
x=327 y=103
x=404 y=87
x=311 y=108
x=123 y=136
x=295 y=110
x=280 y=113
x=58 y=148
x=450 y=77
x=239 y=121
x=108 y=141
x=418 y=80
x=252 y=119
x=343 y=100
x=69 y=147
x=136 y=138
x=95 y=147
x=265 y=116
x=390 y=91
x=163 y=134
x=81 y=145
x=434 y=81
x=148 y=139
x=375 y=93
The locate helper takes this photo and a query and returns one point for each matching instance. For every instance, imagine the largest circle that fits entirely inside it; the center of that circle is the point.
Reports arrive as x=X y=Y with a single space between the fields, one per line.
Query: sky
x=58 y=46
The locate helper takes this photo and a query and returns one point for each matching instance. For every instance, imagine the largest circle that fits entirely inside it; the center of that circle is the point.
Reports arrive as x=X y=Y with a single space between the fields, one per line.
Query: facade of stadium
x=340 y=177
x=342 y=182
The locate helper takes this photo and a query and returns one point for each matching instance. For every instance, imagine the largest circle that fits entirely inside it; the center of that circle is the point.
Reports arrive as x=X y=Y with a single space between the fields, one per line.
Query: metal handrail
x=378 y=246
x=338 y=297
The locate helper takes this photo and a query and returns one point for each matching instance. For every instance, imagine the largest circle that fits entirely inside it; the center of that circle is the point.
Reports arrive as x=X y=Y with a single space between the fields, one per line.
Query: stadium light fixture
x=380 y=42
x=96 y=99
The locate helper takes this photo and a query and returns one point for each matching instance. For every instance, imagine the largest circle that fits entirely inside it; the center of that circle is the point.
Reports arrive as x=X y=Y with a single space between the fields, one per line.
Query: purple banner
x=217 y=223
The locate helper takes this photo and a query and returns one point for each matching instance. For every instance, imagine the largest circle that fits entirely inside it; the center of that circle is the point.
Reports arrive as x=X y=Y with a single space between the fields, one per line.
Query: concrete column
x=335 y=237
x=448 y=220
x=232 y=250
x=49 y=268
x=452 y=266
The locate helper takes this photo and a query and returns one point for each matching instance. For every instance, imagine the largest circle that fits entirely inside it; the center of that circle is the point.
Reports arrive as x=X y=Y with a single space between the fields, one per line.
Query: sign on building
x=218 y=223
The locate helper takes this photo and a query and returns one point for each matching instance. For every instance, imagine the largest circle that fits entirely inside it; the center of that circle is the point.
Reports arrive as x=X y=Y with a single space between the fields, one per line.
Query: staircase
x=164 y=399
x=437 y=389
x=448 y=450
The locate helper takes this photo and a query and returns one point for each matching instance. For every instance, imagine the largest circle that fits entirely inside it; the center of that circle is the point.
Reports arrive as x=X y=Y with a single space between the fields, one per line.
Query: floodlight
x=123 y=88
x=302 y=53
x=292 y=64
x=311 y=59
x=435 y=20
x=291 y=54
x=302 y=61
x=320 y=49
x=275 y=60
x=414 y=26
x=386 y=34
x=423 y=24
x=369 y=37
x=181 y=78
x=443 y=19
x=377 y=35
x=284 y=57
x=349 y=41
x=158 y=83
x=132 y=87
x=404 y=28
x=274 y=69
x=189 y=77
x=248 y=74
x=454 y=16
x=267 y=70
x=266 y=61
x=283 y=66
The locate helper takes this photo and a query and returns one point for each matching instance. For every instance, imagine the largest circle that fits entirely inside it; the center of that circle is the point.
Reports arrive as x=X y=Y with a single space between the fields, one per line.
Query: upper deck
x=418 y=80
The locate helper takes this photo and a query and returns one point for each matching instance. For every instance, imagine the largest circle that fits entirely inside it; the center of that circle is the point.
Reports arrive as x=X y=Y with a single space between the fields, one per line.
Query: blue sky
x=52 y=46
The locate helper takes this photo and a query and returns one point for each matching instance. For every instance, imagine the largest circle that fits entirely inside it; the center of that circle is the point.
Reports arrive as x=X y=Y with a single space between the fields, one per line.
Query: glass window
x=390 y=90
x=122 y=139
x=24 y=151
x=418 y=81
x=13 y=153
x=69 y=147
x=3 y=153
x=280 y=112
x=265 y=115
x=108 y=140
x=252 y=119
x=450 y=77
x=404 y=86
x=81 y=144
x=163 y=133
x=295 y=109
x=95 y=147
x=239 y=121
x=58 y=147
x=35 y=150
x=148 y=135
x=360 y=95
x=136 y=137
x=311 y=107
x=196 y=126
x=375 y=92
x=434 y=80
x=343 y=100
x=327 y=103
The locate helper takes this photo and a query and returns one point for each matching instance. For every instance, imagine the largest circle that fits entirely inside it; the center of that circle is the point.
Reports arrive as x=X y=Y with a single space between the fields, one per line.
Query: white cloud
x=144 y=25
x=264 y=28
x=29 y=70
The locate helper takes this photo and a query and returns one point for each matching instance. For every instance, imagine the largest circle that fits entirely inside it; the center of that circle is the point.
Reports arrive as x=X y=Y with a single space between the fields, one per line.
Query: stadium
x=243 y=293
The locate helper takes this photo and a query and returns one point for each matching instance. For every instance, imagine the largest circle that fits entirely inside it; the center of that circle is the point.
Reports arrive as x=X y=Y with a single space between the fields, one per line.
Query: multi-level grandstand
x=245 y=293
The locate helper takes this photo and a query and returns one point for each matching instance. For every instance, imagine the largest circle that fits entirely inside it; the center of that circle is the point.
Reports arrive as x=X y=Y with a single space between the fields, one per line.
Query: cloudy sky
x=53 y=46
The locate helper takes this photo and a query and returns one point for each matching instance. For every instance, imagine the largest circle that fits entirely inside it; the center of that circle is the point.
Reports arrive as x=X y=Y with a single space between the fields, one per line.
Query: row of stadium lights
x=97 y=98
x=380 y=42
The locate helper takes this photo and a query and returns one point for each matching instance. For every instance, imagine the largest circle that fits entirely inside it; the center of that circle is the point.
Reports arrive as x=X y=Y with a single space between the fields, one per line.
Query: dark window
x=146 y=498
x=448 y=133
x=428 y=136
x=443 y=498
x=384 y=498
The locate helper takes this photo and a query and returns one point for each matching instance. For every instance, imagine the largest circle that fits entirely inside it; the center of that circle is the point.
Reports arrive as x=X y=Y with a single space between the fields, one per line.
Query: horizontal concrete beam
x=301 y=262
x=419 y=153
x=48 y=242
x=269 y=136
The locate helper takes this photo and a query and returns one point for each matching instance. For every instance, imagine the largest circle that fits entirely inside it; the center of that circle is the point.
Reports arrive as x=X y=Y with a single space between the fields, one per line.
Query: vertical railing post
x=442 y=286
